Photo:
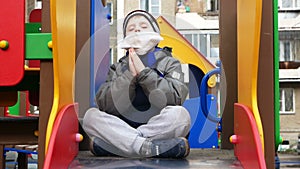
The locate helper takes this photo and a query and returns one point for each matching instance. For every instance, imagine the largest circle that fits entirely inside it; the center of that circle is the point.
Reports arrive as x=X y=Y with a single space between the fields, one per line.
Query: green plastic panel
x=37 y=46
x=278 y=139
x=15 y=109
x=33 y=27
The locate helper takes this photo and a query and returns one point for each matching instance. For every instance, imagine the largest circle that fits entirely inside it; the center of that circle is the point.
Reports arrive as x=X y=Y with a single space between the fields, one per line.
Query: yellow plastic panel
x=63 y=26
x=249 y=14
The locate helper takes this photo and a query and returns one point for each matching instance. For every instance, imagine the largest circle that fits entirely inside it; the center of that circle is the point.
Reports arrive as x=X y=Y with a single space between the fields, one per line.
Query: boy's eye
x=130 y=28
x=144 y=25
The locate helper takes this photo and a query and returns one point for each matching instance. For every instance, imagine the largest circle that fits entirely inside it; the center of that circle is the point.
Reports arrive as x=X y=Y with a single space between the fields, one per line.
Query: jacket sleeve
x=165 y=89
x=114 y=95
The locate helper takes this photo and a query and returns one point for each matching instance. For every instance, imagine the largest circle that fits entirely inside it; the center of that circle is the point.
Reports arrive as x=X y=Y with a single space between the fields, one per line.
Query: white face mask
x=142 y=42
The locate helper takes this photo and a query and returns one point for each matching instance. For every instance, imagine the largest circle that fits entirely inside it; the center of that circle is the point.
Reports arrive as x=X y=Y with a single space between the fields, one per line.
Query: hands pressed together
x=135 y=63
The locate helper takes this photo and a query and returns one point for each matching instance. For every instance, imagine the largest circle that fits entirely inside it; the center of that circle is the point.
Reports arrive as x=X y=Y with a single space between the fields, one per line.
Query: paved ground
x=289 y=160
x=198 y=158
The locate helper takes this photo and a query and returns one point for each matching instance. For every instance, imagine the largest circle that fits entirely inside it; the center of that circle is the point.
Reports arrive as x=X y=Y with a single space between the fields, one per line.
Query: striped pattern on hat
x=147 y=15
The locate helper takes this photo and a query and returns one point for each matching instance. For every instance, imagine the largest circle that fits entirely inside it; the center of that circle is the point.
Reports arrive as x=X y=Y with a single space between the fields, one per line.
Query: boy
x=140 y=112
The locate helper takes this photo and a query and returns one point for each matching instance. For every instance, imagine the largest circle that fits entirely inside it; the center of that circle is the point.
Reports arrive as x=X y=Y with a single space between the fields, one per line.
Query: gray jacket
x=137 y=99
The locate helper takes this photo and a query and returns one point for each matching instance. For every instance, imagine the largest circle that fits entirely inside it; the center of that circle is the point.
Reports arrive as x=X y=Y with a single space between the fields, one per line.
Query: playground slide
x=248 y=25
x=203 y=133
x=182 y=49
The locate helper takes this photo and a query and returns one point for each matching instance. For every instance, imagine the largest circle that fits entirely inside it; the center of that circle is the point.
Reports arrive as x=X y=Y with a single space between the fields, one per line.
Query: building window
x=38 y=4
x=151 y=6
x=203 y=47
x=289 y=50
x=213 y=5
x=205 y=43
x=287 y=100
x=285 y=51
x=289 y=4
x=289 y=46
x=214 y=45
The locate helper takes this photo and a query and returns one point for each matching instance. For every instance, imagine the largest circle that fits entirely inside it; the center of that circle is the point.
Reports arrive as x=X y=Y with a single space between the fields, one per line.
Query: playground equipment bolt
x=4 y=44
x=36 y=133
x=280 y=140
x=212 y=81
x=233 y=139
x=108 y=16
x=78 y=137
x=50 y=44
x=160 y=21
x=219 y=128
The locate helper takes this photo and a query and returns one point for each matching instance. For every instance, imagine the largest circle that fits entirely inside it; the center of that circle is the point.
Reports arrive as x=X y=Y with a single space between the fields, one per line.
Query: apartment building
x=289 y=72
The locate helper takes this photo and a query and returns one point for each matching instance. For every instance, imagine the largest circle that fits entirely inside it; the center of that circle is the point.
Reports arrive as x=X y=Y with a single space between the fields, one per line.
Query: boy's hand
x=131 y=67
x=136 y=62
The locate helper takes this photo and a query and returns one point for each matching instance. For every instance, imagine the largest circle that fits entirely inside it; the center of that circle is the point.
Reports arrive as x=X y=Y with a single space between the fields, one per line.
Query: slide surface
x=182 y=49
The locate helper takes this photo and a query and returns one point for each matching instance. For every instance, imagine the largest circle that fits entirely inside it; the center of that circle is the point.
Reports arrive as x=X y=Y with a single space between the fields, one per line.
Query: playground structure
x=55 y=77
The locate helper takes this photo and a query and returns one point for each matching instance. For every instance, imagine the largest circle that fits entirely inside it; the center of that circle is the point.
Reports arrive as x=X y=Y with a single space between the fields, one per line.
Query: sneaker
x=167 y=148
x=97 y=150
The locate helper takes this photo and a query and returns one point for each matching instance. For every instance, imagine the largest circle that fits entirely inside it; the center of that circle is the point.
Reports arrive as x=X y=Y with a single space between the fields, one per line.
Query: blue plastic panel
x=100 y=53
x=203 y=132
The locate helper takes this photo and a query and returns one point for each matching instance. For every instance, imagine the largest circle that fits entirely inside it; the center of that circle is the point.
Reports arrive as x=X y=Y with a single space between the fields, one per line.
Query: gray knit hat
x=147 y=15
